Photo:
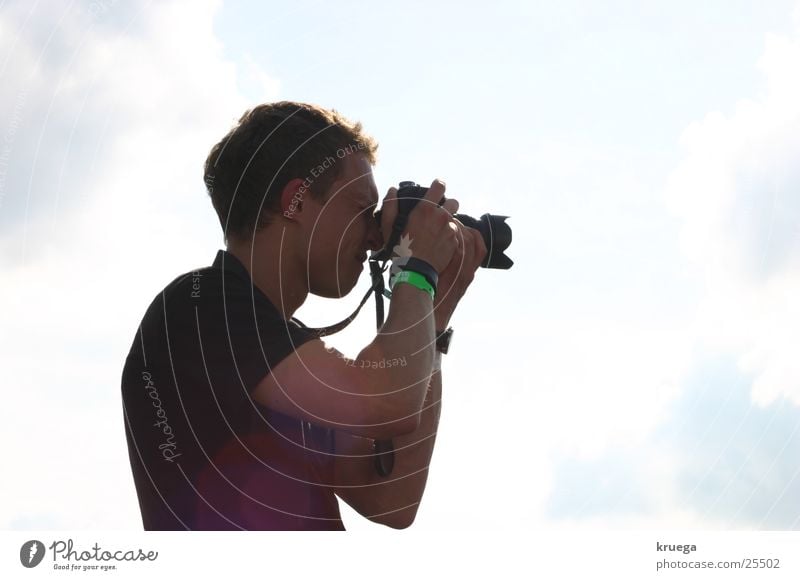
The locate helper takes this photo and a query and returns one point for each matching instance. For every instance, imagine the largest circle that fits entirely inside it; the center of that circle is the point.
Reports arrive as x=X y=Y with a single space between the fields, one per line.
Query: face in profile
x=344 y=230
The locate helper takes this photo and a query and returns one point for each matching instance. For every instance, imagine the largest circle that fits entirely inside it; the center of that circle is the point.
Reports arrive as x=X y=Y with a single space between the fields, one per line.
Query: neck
x=261 y=256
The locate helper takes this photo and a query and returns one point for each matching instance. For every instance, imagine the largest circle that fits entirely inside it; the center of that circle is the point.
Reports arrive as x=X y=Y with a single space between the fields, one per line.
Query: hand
x=459 y=273
x=431 y=230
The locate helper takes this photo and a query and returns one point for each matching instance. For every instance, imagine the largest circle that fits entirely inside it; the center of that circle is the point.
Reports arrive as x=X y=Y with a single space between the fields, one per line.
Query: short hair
x=272 y=144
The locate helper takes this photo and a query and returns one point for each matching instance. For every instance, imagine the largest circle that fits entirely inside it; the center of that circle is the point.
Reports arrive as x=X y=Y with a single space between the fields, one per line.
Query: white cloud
x=104 y=187
x=737 y=192
x=668 y=438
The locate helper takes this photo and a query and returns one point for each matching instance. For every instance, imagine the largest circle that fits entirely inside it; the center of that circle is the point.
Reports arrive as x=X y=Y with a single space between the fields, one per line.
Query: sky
x=637 y=366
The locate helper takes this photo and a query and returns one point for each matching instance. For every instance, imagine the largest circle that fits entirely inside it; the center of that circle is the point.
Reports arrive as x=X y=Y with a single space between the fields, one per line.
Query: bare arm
x=407 y=335
x=362 y=396
x=392 y=500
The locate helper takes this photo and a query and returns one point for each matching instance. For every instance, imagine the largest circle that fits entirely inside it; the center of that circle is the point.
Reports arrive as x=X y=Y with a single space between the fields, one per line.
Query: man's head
x=306 y=173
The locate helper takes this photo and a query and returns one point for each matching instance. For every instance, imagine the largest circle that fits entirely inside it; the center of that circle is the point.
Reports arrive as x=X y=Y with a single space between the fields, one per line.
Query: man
x=239 y=417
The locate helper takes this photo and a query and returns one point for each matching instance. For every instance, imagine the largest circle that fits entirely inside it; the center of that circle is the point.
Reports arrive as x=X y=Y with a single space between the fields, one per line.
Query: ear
x=292 y=197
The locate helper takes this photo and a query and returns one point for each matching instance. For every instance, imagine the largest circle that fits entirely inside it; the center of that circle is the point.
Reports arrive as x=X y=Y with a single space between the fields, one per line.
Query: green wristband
x=413 y=278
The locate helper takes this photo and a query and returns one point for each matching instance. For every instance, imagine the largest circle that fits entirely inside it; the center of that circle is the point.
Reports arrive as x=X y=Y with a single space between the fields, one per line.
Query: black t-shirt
x=204 y=454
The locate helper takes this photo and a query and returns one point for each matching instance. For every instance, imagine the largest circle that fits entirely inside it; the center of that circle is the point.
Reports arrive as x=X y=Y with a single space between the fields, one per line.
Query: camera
x=494 y=230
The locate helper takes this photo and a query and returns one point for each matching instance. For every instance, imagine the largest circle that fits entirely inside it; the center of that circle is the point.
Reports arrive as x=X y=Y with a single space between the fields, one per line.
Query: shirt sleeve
x=228 y=338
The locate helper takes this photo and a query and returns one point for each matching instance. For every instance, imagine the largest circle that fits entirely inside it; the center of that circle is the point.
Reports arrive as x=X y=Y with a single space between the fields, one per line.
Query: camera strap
x=378 y=288
x=383 y=449
x=377 y=266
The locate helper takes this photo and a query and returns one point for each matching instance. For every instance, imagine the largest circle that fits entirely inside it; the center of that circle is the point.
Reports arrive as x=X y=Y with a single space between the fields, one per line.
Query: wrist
x=414 y=279
x=423 y=268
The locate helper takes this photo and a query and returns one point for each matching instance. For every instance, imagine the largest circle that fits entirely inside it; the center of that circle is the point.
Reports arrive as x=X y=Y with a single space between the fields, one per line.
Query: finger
x=480 y=247
x=435 y=192
x=453 y=225
x=466 y=243
x=451 y=205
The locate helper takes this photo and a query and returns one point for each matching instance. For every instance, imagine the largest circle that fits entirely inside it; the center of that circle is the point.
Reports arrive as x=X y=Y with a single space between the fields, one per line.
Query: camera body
x=494 y=230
